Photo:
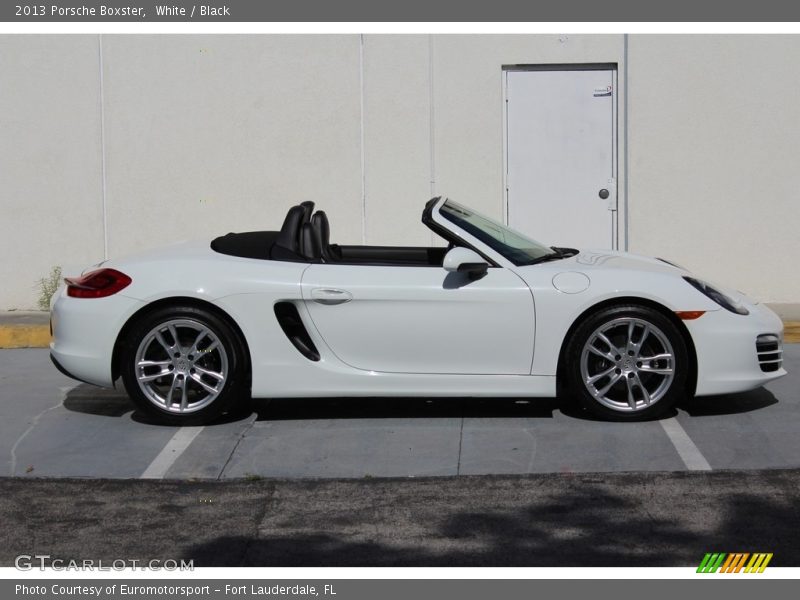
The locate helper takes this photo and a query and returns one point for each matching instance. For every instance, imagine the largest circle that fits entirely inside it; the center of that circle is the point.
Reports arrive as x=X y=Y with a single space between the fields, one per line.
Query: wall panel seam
x=362 y=134
x=103 y=146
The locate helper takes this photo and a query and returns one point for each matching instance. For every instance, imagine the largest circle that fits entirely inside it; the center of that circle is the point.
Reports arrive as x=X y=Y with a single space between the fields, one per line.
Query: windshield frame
x=485 y=230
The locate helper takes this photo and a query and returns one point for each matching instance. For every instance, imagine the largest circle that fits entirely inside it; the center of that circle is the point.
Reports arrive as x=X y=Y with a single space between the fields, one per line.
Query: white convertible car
x=197 y=328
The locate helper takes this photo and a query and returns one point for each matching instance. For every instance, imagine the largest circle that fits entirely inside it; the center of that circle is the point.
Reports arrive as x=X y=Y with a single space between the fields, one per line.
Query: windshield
x=511 y=244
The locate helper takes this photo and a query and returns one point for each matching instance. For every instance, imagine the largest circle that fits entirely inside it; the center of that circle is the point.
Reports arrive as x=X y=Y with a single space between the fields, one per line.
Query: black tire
x=230 y=394
x=634 y=378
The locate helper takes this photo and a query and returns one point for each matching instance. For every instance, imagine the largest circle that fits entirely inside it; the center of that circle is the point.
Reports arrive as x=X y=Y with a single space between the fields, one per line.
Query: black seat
x=322 y=233
x=287 y=243
x=309 y=243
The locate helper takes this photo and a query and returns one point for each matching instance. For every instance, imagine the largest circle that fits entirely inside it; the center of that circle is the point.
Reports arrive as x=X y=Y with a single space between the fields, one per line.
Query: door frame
x=611 y=66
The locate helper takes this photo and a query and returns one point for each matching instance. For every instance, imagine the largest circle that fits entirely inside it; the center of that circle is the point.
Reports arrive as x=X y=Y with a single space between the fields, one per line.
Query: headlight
x=721 y=298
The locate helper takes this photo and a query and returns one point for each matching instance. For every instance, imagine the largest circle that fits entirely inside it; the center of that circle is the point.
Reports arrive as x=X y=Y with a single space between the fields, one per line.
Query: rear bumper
x=63 y=371
x=84 y=334
x=727 y=359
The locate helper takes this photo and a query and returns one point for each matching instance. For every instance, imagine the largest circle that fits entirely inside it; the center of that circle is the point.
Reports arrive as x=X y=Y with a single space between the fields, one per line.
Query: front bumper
x=727 y=357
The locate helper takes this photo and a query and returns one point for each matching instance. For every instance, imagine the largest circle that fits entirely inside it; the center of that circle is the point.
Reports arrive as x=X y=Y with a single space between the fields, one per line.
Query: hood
x=611 y=259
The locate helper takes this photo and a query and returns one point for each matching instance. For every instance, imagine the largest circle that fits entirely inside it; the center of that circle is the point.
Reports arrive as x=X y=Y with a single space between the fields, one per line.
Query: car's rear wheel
x=627 y=363
x=183 y=365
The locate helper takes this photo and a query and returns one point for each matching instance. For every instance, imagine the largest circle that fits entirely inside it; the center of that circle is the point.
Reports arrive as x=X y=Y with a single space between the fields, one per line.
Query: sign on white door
x=561 y=155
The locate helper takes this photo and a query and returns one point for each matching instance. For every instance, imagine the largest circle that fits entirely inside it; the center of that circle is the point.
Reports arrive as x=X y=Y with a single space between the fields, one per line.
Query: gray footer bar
x=385 y=589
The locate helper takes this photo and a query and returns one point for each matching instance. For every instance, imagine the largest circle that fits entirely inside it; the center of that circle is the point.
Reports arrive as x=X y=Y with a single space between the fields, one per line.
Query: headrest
x=289 y=235
x=308 y=207
x=321 y=226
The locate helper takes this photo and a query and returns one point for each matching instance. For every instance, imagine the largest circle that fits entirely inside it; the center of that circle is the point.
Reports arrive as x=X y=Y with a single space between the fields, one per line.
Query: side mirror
x=464 y=260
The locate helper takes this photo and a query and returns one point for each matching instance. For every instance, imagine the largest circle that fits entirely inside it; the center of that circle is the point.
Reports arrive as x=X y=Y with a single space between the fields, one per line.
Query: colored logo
x=734 y=563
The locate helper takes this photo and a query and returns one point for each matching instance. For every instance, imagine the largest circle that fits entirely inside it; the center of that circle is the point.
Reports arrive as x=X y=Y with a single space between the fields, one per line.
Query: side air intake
x=293 y=327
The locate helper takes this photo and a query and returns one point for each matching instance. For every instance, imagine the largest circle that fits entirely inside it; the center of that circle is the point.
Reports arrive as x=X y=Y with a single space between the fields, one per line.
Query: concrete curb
x=38 y=336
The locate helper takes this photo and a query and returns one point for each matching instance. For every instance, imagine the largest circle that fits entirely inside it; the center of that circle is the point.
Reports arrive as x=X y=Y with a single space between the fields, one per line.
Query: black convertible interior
x=305 y=237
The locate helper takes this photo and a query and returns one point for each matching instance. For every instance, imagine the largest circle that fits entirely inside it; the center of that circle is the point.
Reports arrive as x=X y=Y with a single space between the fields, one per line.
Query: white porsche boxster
x=196 y=329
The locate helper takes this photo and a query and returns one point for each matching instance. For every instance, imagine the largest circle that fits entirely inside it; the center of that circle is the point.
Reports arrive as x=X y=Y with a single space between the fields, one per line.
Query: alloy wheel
x=627 y=364
x=181 y=366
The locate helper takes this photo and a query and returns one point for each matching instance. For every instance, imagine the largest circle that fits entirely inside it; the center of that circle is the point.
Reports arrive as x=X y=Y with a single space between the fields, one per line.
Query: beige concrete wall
x=50 y=173
x=208 y=134
x=714 y=180
x=397 y=152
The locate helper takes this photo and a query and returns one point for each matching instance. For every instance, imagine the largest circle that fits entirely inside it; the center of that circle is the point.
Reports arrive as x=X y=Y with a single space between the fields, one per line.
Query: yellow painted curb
x=38 y=336
x=24 y=336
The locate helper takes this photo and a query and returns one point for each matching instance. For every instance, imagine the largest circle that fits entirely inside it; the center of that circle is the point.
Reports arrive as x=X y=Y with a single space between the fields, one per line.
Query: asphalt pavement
x=611 y=519
x=406 y=481
x=52 y=426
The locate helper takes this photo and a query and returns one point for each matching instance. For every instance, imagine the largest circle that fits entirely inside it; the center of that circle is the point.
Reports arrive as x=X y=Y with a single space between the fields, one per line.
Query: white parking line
x=689 y=453
x=171 y=452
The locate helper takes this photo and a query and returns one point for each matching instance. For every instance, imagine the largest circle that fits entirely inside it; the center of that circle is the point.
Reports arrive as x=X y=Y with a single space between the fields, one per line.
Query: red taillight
x=97 y=284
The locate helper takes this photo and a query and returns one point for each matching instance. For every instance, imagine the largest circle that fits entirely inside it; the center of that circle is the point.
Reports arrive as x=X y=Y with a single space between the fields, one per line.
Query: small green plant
x=48 y=286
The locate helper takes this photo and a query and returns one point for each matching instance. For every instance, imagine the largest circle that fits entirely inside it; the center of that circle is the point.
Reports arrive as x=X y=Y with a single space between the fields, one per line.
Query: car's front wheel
x=627 y=363
x=183 y=365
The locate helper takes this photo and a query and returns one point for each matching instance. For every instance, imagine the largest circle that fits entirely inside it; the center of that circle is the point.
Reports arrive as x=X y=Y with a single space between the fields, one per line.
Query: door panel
x=400 y=319
x=561 y=154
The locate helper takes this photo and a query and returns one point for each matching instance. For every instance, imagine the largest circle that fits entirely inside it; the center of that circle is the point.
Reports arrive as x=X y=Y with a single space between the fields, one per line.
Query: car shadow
x=729 y=404
x=291 y=409
x=91 y=400
x=103 y=402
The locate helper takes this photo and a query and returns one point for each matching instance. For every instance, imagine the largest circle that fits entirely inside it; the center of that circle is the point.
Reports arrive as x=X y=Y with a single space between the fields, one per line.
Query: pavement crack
x=460 y=440
x=34 y=423
x=242 y=435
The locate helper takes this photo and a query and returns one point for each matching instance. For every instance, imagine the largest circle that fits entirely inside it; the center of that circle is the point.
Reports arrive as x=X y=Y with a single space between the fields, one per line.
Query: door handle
x=603 y=194
x=330 y=297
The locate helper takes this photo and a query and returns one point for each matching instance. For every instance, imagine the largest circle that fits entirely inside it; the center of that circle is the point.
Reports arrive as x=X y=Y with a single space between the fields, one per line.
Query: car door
x=422 y=319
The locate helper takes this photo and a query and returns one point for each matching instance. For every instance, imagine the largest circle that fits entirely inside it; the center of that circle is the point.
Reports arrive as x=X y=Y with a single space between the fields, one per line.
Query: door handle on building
x=609 y=194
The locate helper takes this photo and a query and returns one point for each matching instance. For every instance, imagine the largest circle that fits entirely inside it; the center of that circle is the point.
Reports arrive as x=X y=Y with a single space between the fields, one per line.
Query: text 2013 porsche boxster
x=195 y=328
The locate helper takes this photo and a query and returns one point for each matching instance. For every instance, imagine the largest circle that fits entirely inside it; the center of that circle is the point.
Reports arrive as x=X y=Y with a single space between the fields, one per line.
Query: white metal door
x=422 y=319
x=561 y=156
